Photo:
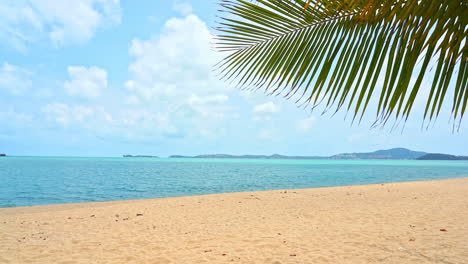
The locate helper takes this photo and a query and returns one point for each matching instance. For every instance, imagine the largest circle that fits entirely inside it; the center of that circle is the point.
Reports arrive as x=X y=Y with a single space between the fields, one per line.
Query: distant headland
x=385 y=154
x=438 y=156
x=227 y=156
x=2 y=155
x=388 y=154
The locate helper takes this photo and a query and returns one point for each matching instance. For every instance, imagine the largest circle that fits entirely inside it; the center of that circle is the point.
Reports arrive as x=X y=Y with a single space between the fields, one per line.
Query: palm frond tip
x=336 y=51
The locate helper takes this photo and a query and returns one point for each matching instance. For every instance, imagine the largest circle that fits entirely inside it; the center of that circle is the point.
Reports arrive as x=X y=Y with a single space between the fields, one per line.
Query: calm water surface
x=50 y=180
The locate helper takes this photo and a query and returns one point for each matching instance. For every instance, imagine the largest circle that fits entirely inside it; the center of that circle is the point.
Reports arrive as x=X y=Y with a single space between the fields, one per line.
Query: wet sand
x=415 y=222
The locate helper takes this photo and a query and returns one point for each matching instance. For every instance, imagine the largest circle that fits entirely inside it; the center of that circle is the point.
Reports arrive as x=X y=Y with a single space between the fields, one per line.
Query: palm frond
x=336 y=51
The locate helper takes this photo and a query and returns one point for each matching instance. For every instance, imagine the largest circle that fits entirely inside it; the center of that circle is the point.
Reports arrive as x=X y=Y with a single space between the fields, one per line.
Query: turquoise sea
x=51 y=180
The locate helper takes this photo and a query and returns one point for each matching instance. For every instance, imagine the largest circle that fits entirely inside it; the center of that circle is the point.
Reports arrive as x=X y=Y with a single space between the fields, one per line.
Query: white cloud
x=146 y=122
x=305 y=125
x=14 y=117
x=267 y=134
x=183 y=7
x=265 y=111
x=213 y=99
x=172 y=92
x=13 y=122
x=65 y=114
x=86 y=82
x=136 y=124
x=172 y=74
x=266 y=108
x=212 y=106
x=175 y=63
x=61 y=22
x=14 y=79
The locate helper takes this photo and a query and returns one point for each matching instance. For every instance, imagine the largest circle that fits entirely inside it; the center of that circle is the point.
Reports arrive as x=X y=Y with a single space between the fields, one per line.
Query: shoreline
x=83 y=204
x=406 y=222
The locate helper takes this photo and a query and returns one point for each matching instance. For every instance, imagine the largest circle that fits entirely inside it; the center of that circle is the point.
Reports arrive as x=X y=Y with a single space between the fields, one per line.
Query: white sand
x=389 y=223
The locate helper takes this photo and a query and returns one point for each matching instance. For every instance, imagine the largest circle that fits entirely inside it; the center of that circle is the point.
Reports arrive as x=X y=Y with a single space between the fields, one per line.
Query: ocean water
x=51 y=180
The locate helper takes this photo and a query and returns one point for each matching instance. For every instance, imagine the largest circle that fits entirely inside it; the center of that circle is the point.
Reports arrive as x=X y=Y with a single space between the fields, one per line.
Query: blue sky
x=106 y=78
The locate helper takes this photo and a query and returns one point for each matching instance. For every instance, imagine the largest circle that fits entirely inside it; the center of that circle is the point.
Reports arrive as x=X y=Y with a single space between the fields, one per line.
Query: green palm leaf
x=335 y=52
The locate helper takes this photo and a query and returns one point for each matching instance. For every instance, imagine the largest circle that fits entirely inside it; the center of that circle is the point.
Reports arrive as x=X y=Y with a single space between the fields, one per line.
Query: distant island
x=388 y=154
x=227 y=156
x=384 y=154
x=139 y=156
x=438 y=156
x=2 y=155
x=394 y=153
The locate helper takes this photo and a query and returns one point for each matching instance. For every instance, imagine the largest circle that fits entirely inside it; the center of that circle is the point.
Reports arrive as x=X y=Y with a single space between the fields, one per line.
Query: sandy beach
x=414 y=222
